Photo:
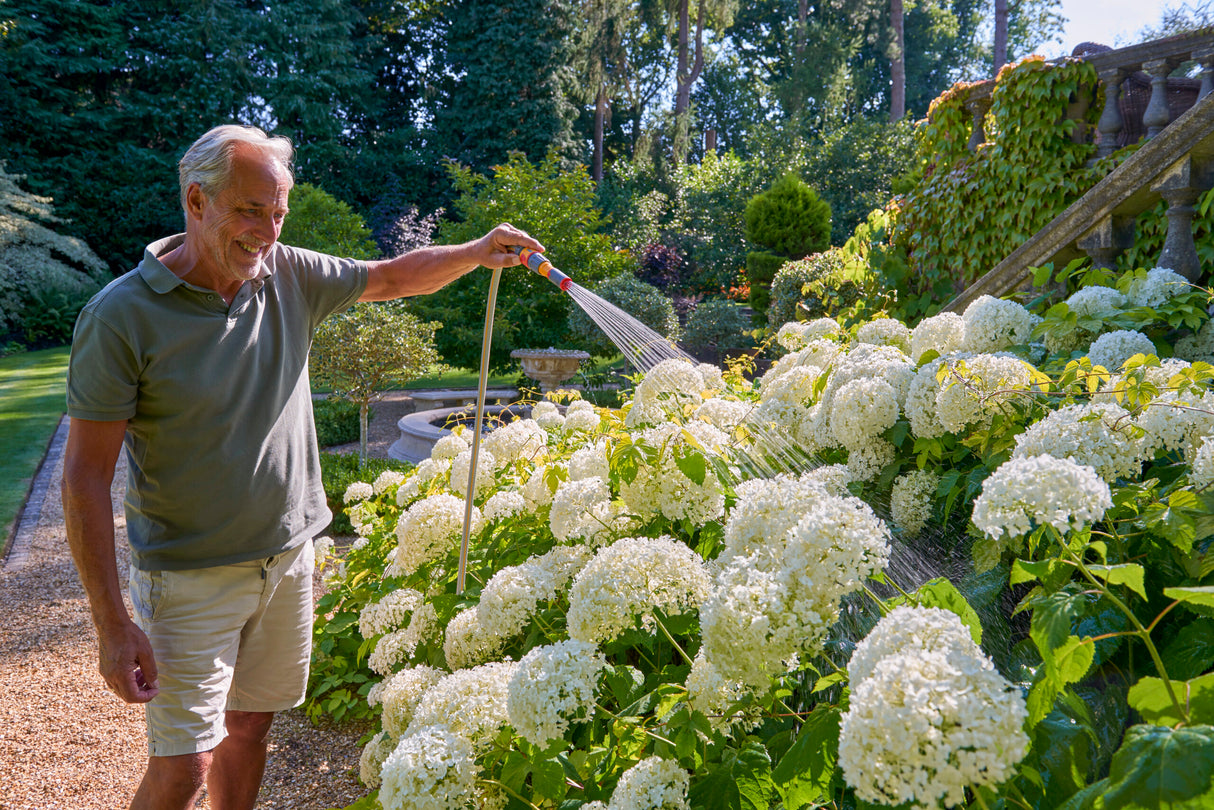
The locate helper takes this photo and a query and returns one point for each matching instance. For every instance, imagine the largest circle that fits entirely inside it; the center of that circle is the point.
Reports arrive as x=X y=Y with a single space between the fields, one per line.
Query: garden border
x=17 y=545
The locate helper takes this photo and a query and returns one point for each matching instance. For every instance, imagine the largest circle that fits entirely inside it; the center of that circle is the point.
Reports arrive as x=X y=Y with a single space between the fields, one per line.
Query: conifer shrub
x=789 y=219
x=719 y=323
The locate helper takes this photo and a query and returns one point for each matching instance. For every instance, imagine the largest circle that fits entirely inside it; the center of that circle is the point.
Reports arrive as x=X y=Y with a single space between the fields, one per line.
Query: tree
x=510 y=73
x=689 y=65
x=897 y=62
x=321 y=222
x=1000 y=36
x=602 y=63
x=370 y=349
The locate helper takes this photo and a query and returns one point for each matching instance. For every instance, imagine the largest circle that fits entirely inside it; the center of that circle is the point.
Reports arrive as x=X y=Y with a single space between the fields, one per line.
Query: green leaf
x=804 y=774
x=1149 y=697
x=1195 y=595
x=742 y=781
x=1053 y=616
x=941 y=593
x=693 y=466
x=1158 y=767
x=1129 y=574
x=548 y=779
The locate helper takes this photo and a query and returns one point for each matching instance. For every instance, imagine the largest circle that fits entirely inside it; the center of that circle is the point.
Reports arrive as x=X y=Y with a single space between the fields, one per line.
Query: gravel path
x=65 y=741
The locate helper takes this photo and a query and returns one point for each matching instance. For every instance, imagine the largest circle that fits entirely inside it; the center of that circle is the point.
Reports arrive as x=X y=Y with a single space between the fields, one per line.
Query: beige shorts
x=235 y=637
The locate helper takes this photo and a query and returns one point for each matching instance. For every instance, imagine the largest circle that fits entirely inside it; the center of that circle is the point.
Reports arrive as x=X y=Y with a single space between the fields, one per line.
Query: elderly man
x=196 y=362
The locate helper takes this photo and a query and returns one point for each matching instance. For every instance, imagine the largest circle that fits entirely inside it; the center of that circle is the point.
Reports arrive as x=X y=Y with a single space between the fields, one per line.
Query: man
x=196 y=362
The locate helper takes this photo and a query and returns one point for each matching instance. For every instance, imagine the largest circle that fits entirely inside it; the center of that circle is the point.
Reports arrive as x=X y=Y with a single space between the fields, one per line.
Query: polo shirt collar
x=161 y=279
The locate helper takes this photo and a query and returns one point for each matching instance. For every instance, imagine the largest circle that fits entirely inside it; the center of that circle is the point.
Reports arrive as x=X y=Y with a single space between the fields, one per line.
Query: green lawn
x=32 y=389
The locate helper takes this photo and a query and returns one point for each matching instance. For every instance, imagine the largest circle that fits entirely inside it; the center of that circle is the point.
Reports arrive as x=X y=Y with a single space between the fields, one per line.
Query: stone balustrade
x=1175 y=165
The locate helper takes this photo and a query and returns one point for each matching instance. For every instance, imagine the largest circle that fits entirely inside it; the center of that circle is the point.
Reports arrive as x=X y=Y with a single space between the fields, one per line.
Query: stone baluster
x=1157 y=115
x=1106 y=240
x=1111 y=123
x=1205 y=58
x=978 y=108
x=1180 y=186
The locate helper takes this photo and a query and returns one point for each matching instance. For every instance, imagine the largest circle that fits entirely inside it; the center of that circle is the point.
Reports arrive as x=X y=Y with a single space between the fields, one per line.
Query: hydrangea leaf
x=1150 y=698
x=804 y=774
x=742 y=781
x=1129 y=574
x=1159 y=767
x=941 y=593
x=1194 y=595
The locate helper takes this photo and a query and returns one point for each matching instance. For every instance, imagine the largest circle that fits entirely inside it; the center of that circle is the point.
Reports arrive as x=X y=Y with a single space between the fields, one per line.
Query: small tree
x=369 y=349
x=319 y=221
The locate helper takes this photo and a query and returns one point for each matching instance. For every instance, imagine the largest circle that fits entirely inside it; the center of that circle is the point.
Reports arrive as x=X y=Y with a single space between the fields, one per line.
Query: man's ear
x=195 y=201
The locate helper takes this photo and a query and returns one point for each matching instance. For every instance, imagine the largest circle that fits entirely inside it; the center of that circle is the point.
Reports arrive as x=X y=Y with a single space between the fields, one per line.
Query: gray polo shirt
x=223 y=465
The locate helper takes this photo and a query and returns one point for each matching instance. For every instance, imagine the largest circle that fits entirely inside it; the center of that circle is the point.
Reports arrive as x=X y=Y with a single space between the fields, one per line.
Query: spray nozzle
x=540 y=264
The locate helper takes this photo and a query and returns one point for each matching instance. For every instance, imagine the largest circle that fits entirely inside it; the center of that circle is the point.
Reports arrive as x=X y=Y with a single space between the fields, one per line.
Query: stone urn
x=549 y=367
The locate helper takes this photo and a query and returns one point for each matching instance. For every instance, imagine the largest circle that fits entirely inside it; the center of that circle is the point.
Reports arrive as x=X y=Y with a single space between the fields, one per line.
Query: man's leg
x=172 y=782
x=239 y=761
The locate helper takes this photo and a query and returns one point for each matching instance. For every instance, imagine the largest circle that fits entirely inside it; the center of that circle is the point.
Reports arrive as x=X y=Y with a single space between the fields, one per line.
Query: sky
x=1108 y=21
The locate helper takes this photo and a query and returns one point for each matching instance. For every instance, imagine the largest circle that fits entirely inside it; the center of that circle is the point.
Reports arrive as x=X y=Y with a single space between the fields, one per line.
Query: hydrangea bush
x=960 y=563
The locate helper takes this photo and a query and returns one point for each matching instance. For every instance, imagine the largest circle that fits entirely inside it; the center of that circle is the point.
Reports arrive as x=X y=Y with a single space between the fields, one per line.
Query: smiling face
x=235 y=229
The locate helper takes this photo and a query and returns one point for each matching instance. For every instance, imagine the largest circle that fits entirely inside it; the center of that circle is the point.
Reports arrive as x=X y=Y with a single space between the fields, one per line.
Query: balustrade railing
x=1175 y=166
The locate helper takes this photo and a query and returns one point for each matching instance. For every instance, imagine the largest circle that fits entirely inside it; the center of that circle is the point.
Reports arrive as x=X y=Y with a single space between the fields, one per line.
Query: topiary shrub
x=642 y=301
x=833 y=288
x=761 y=267
x=719 y=323
x=789 y=219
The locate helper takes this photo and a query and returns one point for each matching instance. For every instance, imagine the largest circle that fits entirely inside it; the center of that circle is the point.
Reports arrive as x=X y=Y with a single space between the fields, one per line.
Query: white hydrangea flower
x=666 y=390
x=713 y=695
x=427 y=530
x=357 y=491
x=976 y=387
x=714 y=378
x=503 y=504
x=866 y=462
x=547 y=415
x=627 y=580
x=553 y=686
x=1156 y=287
x=590 y=461
x=448 y=447
x=511 y=596
x=652 y=784
x=362 y=515
x=1201 y=468
x=467 y=643
x=1099 y=434
x=1159 y=377
x=911 y=500
x=1175 y=421
x=471 y=702
x=662 y=486
x=1040 y=489
x=723 y=414
x=1095 y=300
x=885 y=332
x=765 y=609
x=389 y=613
x=943 y=333
x=372 y=758
x=536 y=489
x=581 y=416
x=1199 y=346
x=386 y=480
x=430 y=769
x=796 y=336
x=863 y=409
x=906 y=630
x=1112 y=349
x=322 y=548
x=577 y=508
x=398 y=646
x=960 y=724
x=486 y=468
x=522 y=439
x=993 y=324
x=401 y=693
x=766 y=509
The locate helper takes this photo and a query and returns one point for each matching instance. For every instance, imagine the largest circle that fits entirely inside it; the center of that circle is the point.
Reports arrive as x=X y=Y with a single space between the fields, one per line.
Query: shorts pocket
x=147 y=594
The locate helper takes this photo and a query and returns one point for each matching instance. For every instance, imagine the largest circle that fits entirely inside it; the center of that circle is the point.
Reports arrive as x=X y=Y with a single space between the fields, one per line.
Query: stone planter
x=549 y=367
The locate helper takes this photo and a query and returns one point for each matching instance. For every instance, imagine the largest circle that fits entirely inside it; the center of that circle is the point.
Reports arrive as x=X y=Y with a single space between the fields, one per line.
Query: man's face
x=241 y=223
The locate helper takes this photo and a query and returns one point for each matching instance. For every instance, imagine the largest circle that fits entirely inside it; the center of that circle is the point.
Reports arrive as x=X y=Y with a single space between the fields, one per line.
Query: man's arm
x=126 y=660
x=426 y=270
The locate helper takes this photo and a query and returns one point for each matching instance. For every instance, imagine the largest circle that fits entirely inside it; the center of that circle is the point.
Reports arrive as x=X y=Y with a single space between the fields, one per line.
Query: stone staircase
x=1176 y=164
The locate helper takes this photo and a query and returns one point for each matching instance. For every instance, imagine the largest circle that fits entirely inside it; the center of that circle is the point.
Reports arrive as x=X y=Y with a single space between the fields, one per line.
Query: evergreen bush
x=761 y=267
x=642 y=301
x=717 y=322
x=336 y=421
x=817 y=286
x=321 y=222
x=789 y=219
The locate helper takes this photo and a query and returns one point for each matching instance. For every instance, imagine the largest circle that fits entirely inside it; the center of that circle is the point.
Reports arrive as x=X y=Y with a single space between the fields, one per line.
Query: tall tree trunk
x=1000 y=35
x=897 y=63
x=600 y=116
x=687 y=71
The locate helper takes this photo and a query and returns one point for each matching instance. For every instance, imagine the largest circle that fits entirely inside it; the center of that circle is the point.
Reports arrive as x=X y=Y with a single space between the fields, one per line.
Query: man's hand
x=496 y=245
x=127 y=664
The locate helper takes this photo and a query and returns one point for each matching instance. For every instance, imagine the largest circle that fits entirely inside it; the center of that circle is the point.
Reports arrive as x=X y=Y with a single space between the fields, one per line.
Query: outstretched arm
x=427 y=269
x=126 y=661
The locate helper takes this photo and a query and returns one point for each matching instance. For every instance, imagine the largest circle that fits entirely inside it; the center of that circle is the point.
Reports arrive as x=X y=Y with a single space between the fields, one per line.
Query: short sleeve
x=103 y=374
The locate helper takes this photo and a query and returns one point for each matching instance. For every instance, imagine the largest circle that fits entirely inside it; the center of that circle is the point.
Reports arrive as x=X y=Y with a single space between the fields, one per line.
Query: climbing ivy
x=968 y=211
